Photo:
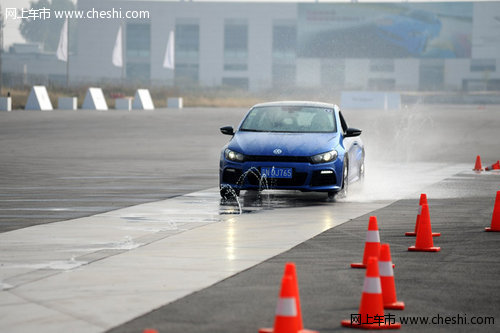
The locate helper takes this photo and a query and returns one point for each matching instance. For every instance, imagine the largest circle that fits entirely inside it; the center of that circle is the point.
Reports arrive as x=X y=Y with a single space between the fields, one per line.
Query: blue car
x=412 y=31
x=304 y=146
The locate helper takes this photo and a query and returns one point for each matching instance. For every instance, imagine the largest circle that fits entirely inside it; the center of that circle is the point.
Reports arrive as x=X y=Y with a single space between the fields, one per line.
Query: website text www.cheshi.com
x=47 y=13
x=391 y=319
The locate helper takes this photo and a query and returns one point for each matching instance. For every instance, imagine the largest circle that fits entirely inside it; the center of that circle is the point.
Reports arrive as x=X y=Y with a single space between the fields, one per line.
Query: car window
x=292 y=119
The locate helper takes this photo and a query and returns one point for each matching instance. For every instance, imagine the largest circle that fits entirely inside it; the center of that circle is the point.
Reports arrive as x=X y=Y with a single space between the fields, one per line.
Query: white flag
x=117 y=50
x=62 y=48
x=169 y=61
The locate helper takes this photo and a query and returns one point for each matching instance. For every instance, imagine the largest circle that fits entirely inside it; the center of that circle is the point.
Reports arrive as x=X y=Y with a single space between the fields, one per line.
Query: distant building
x=261 y=46
x=26 y=63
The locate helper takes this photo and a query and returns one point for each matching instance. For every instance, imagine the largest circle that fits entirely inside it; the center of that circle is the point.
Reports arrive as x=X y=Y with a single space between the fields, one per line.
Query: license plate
x=272 y=172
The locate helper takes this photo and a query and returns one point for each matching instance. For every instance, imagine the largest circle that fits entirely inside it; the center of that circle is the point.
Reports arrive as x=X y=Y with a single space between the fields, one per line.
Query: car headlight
x=324 y=157
x=234 y=156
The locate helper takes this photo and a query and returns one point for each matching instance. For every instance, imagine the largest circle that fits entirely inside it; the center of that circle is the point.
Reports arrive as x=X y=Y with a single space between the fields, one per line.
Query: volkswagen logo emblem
x=277 y=151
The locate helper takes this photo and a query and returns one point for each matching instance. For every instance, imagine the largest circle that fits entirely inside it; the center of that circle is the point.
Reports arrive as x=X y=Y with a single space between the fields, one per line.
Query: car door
x=354 y=149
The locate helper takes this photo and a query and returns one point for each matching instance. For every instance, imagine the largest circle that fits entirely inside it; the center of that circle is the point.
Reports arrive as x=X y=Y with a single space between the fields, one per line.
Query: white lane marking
x=4 y=286
x=118 y=199
x=62 y=265
x=114 y=177
x=198 y=174
x=60 y=209
x=47 y=188
x=40 y=217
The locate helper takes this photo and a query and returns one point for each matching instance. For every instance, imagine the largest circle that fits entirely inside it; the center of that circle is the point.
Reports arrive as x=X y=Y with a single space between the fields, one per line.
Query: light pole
x=1 y=46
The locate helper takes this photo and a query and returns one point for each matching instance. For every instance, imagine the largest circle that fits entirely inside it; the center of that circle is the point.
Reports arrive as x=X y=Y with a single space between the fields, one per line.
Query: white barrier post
x=38 y=99
x=142 y=100
x=94 y=100
x=67 y=103
x=174 y=102
x=123 y=103
x=5 y=103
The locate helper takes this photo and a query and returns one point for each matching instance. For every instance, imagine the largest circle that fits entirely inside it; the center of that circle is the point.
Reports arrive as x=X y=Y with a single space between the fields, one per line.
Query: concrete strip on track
x=106 y=269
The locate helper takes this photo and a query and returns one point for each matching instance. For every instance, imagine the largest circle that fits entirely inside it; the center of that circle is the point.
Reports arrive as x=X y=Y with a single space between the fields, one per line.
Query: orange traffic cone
x=372 y=243
x=423 y=201
x=150 y=330
x=387 y=279
x=371 y=309
x=424 y=240
x=290 y=270
x=494 y=166
x=478 y=166
x=495 y=218
x=288 y=317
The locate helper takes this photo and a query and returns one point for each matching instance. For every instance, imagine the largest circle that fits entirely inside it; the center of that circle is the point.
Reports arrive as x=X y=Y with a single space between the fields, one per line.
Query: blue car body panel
x=293 y=144
x=295 y=151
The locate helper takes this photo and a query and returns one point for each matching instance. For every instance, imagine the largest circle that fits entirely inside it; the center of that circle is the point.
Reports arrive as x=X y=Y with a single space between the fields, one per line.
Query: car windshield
x=290 y=119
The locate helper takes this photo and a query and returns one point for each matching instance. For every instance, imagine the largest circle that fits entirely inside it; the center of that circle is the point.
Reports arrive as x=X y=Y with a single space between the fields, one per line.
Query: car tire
x=227 y=192
x=342 y=193
x=362 y=171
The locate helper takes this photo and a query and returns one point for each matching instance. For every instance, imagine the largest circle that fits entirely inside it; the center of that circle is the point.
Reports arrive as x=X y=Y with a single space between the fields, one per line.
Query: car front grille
x=231 y=176
x=298 y=179
x=269 y=158
x=234 y=176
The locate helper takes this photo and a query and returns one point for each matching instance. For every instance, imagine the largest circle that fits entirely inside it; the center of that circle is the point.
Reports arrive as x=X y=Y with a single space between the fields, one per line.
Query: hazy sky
x=11 y=33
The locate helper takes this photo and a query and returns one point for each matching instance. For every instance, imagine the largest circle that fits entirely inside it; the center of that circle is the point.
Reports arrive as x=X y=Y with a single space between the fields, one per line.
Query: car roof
x=298 y=103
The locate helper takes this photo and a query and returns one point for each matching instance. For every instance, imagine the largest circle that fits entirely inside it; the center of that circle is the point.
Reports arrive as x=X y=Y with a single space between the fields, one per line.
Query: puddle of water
x=63 y=265
x=66 y=265
x=151 y=228
x=5 y=286
x=127 y=244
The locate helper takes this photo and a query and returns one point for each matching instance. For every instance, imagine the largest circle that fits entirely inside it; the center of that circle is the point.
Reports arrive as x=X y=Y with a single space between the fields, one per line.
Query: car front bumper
x=323 y=177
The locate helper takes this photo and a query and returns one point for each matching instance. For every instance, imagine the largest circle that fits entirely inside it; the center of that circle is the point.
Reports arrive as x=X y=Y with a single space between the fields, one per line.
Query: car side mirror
x=227 y=130
x=350 y=132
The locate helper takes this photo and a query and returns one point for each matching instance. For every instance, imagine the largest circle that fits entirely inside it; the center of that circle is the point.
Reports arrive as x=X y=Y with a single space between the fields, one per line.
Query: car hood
x=291 y=144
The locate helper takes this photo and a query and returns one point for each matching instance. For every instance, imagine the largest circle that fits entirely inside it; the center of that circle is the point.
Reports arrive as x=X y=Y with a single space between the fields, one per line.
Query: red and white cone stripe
x=372 y=285
x=372 y=236
x=385 y=268
x=387 y=280
x=286 y=307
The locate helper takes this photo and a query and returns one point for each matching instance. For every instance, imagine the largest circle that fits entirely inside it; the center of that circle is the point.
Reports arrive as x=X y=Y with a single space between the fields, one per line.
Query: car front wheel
x=342 y=193
x=345 y=181
x=362 y=172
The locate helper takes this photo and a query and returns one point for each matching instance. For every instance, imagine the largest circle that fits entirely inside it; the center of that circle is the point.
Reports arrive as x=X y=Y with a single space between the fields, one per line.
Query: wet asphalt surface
x=459 y=281
x=61 y=165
